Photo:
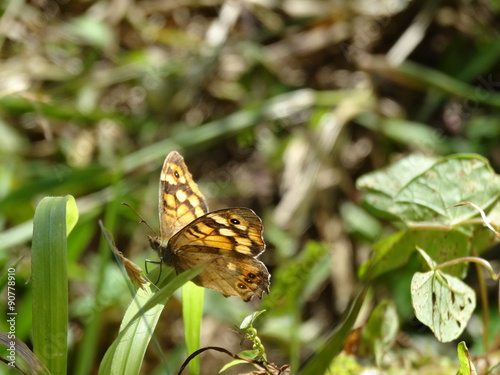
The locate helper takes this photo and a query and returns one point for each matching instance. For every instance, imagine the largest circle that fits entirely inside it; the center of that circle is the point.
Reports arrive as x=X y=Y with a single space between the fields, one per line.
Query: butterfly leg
x=154 y=262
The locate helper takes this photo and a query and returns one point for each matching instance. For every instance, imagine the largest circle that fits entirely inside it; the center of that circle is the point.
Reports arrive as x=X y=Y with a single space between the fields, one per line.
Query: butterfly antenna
x=139 y=216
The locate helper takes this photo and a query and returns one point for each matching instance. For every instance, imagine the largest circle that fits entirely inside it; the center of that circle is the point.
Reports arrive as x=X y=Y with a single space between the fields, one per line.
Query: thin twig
x=222 y=350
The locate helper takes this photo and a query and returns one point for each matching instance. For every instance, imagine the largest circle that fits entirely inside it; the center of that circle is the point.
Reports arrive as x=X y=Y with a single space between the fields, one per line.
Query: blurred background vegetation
x=276 y=105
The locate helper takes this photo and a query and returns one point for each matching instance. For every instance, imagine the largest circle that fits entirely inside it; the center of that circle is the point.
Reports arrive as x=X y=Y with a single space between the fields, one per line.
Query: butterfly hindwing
x=227 y=241
x=228 y=273
x=180 y=198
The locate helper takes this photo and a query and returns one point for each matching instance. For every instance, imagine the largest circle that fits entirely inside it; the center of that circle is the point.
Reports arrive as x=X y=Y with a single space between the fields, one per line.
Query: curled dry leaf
x=132 y=269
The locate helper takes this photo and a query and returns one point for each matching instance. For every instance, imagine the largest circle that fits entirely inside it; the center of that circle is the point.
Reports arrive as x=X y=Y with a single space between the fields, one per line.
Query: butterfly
x=225 y=241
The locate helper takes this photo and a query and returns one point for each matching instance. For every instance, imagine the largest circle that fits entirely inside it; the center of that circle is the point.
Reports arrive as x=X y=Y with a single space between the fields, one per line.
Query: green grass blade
x=192 y=314
x=130 y=349
x=126 y=354
x=50 y=280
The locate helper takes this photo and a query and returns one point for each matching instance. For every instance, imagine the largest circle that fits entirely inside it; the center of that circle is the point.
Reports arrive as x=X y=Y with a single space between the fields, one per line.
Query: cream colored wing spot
x=199 y=211
x=205 y=229
x=254 y=237
x=242 y=249
x=231 y=266
x=227 y=232
x=241 y=227
x=181 y=196
x=194 y=200
x=220 y=220
x=243 y=241
x=170 y=179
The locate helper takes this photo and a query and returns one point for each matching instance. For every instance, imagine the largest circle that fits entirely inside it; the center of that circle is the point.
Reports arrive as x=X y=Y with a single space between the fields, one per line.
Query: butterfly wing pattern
x=180 y=200
x=226 y=241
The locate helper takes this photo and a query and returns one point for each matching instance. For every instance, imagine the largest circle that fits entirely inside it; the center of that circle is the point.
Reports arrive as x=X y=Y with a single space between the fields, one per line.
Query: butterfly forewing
x=232 y=230
x=181 y=201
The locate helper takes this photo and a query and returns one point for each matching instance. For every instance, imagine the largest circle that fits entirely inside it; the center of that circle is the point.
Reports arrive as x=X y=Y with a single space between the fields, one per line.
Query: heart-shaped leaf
x=442 y=302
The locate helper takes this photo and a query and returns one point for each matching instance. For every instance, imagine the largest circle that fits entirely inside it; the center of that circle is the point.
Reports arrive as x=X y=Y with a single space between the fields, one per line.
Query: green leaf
x=383 y=186
x=135 y=333
x=126 y=354
x=394 y=251
x=71 y=214
x=418 y=189
x=53 y=216
x=192 y=314
x=251 y=354
x=466 y=365
x=247 y=323
x=234 y=362
x=443 y=303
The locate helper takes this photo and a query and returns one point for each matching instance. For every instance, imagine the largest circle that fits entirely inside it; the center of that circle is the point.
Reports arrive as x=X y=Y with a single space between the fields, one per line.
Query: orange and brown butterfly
x=226 y=241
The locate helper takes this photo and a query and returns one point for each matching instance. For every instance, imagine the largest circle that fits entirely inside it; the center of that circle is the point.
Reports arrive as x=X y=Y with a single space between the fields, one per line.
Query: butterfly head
x=160 y=246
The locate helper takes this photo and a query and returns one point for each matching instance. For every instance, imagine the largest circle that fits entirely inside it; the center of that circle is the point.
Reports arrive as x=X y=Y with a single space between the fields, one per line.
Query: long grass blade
x=192 y=314
x=54 y=218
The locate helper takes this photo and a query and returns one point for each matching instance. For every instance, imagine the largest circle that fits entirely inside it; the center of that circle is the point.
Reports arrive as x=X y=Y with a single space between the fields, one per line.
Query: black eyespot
x=241 y=286
x=234 y=221
x=251 y=275
x=176 y=174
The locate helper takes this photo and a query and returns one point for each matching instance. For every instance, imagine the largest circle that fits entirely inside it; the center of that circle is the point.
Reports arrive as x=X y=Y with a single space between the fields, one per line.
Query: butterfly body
x=226 y=242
